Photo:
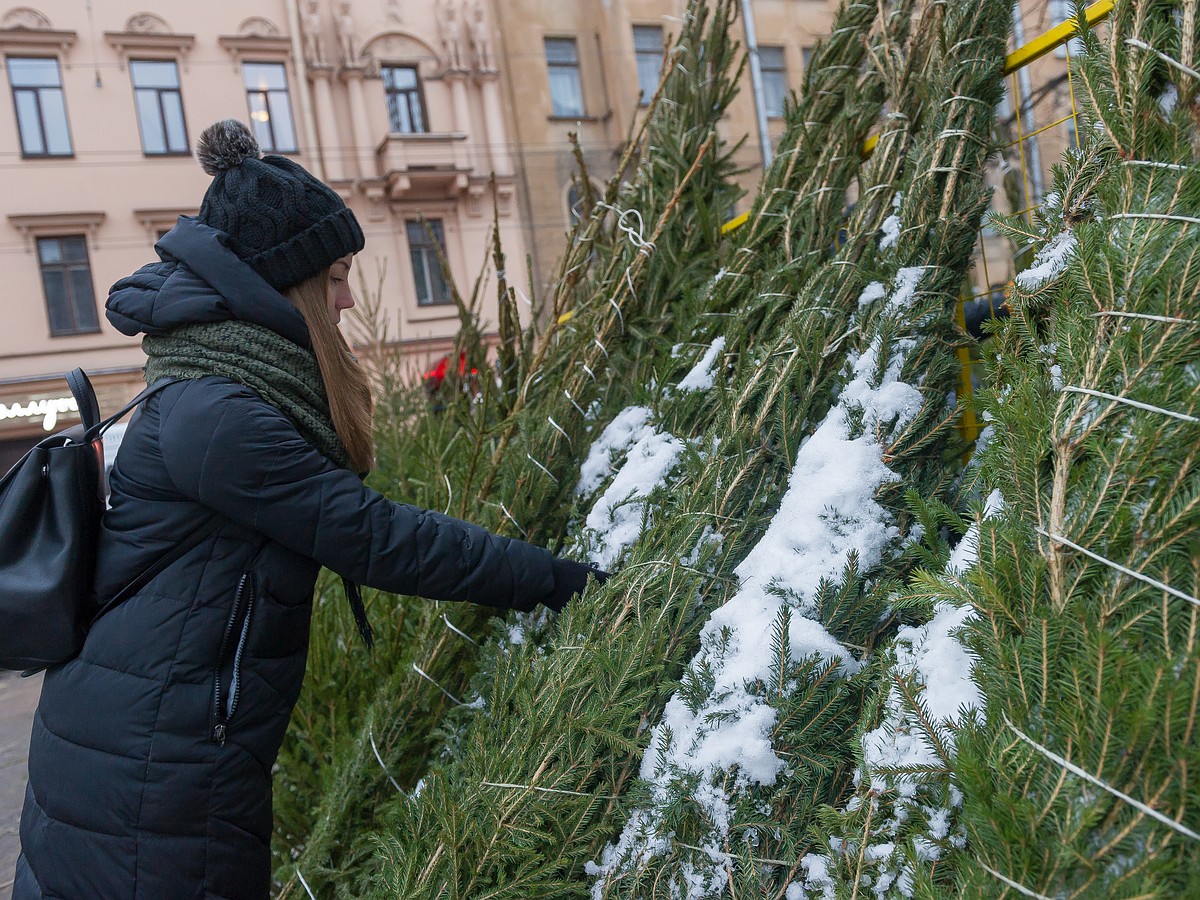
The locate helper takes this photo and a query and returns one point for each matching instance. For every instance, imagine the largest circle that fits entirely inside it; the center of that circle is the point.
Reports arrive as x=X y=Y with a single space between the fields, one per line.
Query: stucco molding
x=258 y=26
x=26 y=17
x=156 y=44
x=405 y=47
x=25 y=29
x=36 y=225
x=274 y=47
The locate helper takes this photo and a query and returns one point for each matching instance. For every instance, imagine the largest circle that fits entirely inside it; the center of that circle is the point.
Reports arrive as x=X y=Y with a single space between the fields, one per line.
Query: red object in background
x=436 y=376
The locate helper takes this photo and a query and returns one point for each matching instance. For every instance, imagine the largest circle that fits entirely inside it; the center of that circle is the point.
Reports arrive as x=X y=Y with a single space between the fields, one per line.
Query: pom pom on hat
x=280 y=220
x=225 y=144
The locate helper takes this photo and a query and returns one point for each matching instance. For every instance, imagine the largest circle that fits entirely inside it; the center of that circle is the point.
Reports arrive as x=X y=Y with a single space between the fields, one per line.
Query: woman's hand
x=570 y=578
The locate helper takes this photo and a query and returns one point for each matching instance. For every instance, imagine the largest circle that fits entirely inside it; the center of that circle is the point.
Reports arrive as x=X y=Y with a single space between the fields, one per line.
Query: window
x=566 y=94
x=648 y=52
x=427 y=269
x=806 y=55
x=41 y=107
x=270 y=110
x=67 y=282
x=406 y=106
x=159 y=106
x=774 y=79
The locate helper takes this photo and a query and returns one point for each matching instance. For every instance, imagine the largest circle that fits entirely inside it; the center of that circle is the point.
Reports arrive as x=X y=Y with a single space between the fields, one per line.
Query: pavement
x=18 y=697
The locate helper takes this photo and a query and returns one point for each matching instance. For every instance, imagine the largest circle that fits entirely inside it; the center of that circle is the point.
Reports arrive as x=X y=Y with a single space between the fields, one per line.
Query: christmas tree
x=794 y=685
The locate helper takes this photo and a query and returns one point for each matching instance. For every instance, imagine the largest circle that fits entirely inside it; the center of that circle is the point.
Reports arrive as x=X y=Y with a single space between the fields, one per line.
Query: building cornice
x=130 y=43
x=241 y=46
x=44 y=39
x=35 y=225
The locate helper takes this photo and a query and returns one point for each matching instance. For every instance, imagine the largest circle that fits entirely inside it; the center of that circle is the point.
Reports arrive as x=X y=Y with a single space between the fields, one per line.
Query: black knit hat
x=282 y=221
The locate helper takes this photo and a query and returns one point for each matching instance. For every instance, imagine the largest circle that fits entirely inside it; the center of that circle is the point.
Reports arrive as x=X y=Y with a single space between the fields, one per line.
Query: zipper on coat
x=229 y=659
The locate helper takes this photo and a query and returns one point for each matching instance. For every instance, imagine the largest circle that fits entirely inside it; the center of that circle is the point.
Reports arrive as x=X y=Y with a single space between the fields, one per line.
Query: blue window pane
x=260 y=121
x=172 y=106
x=74 y=249
x=648 y=70
x=33 y=72
x=86 y=318
x=154 y=140
x=49 y=250
x=400 y=77
x=566 y=95
x=281 y=121
x=648 y=38
x=561 y=50
x=58 y=307
x=54 y=120
x=264 y=76
x=29 y=121
x=154 y=74
x=774 y=92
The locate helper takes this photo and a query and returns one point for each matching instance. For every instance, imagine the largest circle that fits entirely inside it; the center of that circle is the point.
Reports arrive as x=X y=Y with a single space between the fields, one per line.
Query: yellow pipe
x=1054 y=38
x=969 y=424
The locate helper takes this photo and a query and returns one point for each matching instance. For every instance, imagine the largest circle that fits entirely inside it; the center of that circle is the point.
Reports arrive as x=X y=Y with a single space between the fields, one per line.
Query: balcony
x=424 y=166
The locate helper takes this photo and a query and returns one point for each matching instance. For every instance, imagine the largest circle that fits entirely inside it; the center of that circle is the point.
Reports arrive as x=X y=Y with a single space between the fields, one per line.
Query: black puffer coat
x=150 y=763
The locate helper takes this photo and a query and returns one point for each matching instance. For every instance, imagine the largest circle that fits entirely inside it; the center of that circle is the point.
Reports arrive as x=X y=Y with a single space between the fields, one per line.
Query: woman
x=150 y=761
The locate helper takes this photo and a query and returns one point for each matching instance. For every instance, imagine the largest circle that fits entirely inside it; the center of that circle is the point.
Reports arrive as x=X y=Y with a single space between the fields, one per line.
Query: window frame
x=390 y=92
x=41 y=118
x=553 y=65
x=430 y=264
x=178 y=91
x=286 y=91
x=70 y=301
x=781 y=70
x=641 y=55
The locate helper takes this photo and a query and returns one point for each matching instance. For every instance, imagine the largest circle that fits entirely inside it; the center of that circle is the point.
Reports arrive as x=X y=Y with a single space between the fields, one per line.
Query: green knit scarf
x=284 y=374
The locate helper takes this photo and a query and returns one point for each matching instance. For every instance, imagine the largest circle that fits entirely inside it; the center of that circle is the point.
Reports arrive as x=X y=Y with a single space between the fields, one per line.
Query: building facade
x=396 y=105
x=590 y=68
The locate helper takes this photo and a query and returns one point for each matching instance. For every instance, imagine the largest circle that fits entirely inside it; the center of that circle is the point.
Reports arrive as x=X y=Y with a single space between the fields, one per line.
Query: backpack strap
x=97 y=427
x=85 y=398
x=190 y=542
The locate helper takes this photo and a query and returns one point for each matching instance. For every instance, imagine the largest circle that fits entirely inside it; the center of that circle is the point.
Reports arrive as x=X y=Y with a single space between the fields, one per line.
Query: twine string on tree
x=1019 y=888
x=382 y=765
x=426 y=676
x=1120 y=568
x=458 y=631
x=1089 y=777
x=1183 y=417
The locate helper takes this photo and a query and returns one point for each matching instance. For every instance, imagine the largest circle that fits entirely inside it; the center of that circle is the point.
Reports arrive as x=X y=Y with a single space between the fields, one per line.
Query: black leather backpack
x=51 y=503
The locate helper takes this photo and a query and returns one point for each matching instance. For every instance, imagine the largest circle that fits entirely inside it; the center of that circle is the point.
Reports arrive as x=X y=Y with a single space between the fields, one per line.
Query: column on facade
x=462 y=116
x=494 y=133
x=360 y=122
x=332 y=146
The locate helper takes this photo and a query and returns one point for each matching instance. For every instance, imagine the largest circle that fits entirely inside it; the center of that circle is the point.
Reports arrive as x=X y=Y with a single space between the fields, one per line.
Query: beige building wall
x=118 y=197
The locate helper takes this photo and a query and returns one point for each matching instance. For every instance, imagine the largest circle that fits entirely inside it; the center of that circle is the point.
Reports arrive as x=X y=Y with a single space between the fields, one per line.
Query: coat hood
x=199 y=280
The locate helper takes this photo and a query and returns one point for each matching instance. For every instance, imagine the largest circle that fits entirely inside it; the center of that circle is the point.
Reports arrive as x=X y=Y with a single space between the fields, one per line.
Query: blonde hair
x=346 y=382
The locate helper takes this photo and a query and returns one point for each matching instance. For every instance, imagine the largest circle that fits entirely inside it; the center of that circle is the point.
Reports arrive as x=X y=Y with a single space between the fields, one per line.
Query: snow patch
x=701 y=376
x=1049 y=263
x=615 y=522
x=891 y=225
x=966 y=552
x=872 y=292
x=630 y=426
